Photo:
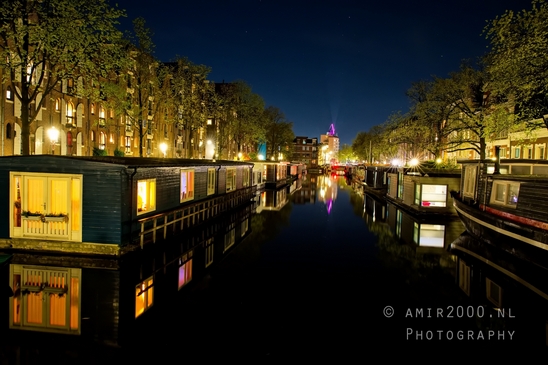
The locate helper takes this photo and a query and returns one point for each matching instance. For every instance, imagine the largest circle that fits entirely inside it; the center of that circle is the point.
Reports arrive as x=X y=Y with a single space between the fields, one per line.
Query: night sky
x=321 y=62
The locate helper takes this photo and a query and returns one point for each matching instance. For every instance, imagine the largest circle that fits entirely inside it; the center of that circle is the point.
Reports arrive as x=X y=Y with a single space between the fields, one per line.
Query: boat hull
x=508 y=232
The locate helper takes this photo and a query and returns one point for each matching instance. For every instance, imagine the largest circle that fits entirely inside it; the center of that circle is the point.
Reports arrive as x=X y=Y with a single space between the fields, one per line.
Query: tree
x=279 y=132
x=346 y=154
x=476 y=114
x=147 y=92
x=45 y=43
x=192 y=97
x=243 y=114
x=517 y=63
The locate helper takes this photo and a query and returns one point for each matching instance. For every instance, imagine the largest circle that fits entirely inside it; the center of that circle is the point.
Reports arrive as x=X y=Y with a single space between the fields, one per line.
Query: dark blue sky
x=321 y=62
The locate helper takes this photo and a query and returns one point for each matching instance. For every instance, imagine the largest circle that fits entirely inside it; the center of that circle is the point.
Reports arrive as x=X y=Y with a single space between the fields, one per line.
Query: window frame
x=151 y=195
x=188 y=194
x=211 y=181
x=507 y=202
x=230 y=179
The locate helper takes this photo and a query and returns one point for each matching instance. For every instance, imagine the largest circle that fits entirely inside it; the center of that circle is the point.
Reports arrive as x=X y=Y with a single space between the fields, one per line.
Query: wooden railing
x=190 y=214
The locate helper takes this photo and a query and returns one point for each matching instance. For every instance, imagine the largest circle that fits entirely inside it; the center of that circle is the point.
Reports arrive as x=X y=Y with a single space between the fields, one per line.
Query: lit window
x=185 y=269
x=209 y=122
x=92 y=109
x=433 y=195
x=57 y=105
x=505 y=193
x=246 y=177
x=144 y=296
x=230 y=179
x=70 y=114
x=469 y=187
x=210 y=181
x=146 y=196
x=187 y=185
x=102 y=140
x=9 y=94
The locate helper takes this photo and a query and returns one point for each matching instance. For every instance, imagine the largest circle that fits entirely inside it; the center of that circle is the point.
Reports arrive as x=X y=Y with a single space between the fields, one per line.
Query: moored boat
x=505 y=203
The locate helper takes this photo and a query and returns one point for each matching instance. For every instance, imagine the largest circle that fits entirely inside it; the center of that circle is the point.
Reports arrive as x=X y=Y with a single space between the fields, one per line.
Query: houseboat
x=422 y=191
x=296 y=170
x=505 y=203
x=375 y=179
x=110 y=205
x=275 y=173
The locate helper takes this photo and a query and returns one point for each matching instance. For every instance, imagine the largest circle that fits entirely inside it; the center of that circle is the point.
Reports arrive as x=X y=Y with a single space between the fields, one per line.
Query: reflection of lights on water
x=329 y=205
x=322 y=193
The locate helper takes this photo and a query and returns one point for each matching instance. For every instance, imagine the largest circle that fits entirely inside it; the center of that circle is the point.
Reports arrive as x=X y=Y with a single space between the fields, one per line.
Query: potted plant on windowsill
x=56 y=217
x=48 y=217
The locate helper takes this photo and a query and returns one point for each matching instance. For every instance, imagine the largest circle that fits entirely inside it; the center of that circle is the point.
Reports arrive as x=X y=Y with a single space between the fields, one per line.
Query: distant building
x=330 y=153
x=305 y=150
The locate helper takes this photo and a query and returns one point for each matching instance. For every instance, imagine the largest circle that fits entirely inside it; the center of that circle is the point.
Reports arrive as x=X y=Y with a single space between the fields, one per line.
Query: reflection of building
x=272 y=199
x=307 y=192
x=305 y=150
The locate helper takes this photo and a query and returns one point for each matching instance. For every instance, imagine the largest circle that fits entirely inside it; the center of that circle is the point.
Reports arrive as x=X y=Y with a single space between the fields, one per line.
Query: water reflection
x=296 y=265
x=514 y=290
x=114 y=301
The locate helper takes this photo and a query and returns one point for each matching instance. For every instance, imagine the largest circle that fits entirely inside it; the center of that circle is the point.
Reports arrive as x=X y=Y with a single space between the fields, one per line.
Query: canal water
x=313 y=270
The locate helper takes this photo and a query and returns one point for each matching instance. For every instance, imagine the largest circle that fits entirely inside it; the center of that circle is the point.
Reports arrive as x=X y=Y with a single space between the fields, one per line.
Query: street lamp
x=163 y=148
x=53 y=135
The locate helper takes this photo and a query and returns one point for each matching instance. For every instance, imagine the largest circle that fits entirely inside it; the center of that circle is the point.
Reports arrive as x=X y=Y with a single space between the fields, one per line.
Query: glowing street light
x=413 y=162
x=163 y=148
x=53 y=135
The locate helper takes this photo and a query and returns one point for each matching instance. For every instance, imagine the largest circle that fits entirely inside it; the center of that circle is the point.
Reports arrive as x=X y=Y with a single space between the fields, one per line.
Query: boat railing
x=159 y=225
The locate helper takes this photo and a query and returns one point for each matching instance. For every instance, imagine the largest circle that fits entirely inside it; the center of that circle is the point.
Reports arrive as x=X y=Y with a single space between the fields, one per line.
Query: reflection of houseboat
x=422 y=191
x=426 y=235
x=505 y=203
x=272 y=199
x=109 y=205
x=511 y=293
x=117 y=301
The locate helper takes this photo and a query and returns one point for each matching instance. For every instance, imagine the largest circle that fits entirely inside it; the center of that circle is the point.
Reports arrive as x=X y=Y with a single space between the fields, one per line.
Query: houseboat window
x=505 y=193
x=187 y=185
x=494 y=292
x=230 y=179
x=208 y=252
x=417 y=194
x=400 y=185
x=211 y=181
x=469 y=183
x=144 y=296
x=246 y=178
x=46 y=297
x=185 y=269
x=464 y=277
x=146 y=196
x=434 y=195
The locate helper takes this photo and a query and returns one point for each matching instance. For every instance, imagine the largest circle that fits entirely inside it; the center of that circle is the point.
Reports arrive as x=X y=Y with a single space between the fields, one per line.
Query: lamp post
x=163 y=148
x=53 y=135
